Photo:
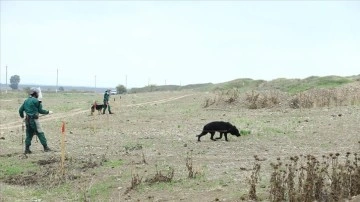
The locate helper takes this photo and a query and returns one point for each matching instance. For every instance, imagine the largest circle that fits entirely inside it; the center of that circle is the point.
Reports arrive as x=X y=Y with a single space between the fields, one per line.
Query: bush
x=264 y=99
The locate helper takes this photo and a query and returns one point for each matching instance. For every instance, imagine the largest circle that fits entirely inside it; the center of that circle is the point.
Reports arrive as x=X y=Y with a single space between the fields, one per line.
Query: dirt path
x=16 y=124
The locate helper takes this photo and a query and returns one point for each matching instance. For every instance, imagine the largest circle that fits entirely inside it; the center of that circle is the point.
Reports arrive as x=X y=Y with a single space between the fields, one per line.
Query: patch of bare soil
x=47 y=161
x=23 y=180
x=50 y=173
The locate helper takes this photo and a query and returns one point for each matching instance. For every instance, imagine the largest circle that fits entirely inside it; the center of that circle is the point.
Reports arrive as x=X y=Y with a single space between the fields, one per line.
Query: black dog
x=97 y=107
x=221 y=127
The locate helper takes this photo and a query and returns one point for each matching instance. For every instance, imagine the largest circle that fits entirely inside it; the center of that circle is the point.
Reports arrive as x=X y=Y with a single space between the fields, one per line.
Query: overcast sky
x=177 y=42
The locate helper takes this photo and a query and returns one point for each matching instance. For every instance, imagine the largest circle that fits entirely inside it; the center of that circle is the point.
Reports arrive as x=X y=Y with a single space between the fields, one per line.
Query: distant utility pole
x=126 y=81
x=6 y=80
x=57 y=80
x=165 y=82
x=95 y=83
x=0 y=80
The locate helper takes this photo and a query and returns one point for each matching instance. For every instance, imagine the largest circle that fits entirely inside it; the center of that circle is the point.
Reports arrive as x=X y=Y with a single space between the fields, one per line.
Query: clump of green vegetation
x=8 y=168
x=245 y=132
x=113 y=163
x=100 y=190
x=132 y=147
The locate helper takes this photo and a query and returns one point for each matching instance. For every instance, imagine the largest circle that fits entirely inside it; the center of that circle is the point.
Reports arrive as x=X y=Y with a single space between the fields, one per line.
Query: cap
x=34 y=90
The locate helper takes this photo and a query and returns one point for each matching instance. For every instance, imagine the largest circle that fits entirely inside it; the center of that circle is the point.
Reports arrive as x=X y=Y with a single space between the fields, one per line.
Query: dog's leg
x=212 y=136
x=201 y=134
x=221 y=134
x=92 y=110
x=225 y=134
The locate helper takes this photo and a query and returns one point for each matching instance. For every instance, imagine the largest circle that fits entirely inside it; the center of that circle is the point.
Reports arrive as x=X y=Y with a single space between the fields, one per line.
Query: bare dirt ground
x=153 y=133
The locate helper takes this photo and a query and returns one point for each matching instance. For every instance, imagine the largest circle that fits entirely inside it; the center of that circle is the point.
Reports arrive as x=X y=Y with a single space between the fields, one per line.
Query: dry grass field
x=147 y=150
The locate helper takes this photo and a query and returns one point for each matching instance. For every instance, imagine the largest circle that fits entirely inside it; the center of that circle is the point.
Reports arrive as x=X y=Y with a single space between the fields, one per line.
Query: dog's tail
x=202 y=133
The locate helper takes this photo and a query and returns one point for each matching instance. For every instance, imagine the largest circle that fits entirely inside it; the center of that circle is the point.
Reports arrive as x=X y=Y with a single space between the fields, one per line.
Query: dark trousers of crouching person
x=33 y=127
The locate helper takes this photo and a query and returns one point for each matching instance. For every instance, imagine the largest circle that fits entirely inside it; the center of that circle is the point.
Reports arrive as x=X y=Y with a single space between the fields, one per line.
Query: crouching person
x=32 y=108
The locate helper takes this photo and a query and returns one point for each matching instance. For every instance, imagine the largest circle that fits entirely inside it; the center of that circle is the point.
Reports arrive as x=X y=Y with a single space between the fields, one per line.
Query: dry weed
x=307 y=179
x=135 y=182
x=159 y=177
x=192 y=173
x=254 y=179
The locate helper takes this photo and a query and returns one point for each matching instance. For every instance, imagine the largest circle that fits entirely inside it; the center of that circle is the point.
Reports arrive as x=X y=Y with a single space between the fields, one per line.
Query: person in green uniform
x=32 y=108
x=106 y=101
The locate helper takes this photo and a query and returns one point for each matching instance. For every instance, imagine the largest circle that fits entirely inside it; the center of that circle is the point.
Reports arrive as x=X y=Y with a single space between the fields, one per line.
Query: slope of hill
x=299 y=85
x=291 y=86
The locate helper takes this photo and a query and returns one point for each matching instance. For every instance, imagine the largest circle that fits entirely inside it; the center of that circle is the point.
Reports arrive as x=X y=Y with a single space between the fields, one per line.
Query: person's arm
x=41 y=110
x=21 y=111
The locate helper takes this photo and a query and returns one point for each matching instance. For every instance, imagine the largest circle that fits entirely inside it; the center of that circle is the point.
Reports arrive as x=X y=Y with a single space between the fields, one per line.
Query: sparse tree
x=61 y=88
x=120 y=89
x=14 y=82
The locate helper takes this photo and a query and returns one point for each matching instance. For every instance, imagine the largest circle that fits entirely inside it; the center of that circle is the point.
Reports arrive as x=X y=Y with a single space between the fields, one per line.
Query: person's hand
x=50 y=112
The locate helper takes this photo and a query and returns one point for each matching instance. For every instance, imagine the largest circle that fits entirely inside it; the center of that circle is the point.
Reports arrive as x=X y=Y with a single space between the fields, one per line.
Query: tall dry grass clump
x=277 y=182
x=347 y=95
x=228 y=96
x=307 y=179
x=315 y=97
x=264 y=99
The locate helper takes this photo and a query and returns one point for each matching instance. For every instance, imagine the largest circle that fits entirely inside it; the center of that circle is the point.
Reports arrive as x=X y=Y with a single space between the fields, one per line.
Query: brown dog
x=97 y=107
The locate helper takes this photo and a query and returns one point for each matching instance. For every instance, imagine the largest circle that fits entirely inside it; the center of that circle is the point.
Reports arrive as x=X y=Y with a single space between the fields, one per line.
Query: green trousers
x=33 y=128
x=106 y=106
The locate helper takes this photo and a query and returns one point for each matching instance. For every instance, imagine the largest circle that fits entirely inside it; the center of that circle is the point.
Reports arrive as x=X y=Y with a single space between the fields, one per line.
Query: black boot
x=46 y=148
x=27 y=149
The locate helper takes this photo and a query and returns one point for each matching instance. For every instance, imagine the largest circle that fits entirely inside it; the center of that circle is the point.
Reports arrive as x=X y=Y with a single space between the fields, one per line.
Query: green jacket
x=32 y=106
x=106 y=96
